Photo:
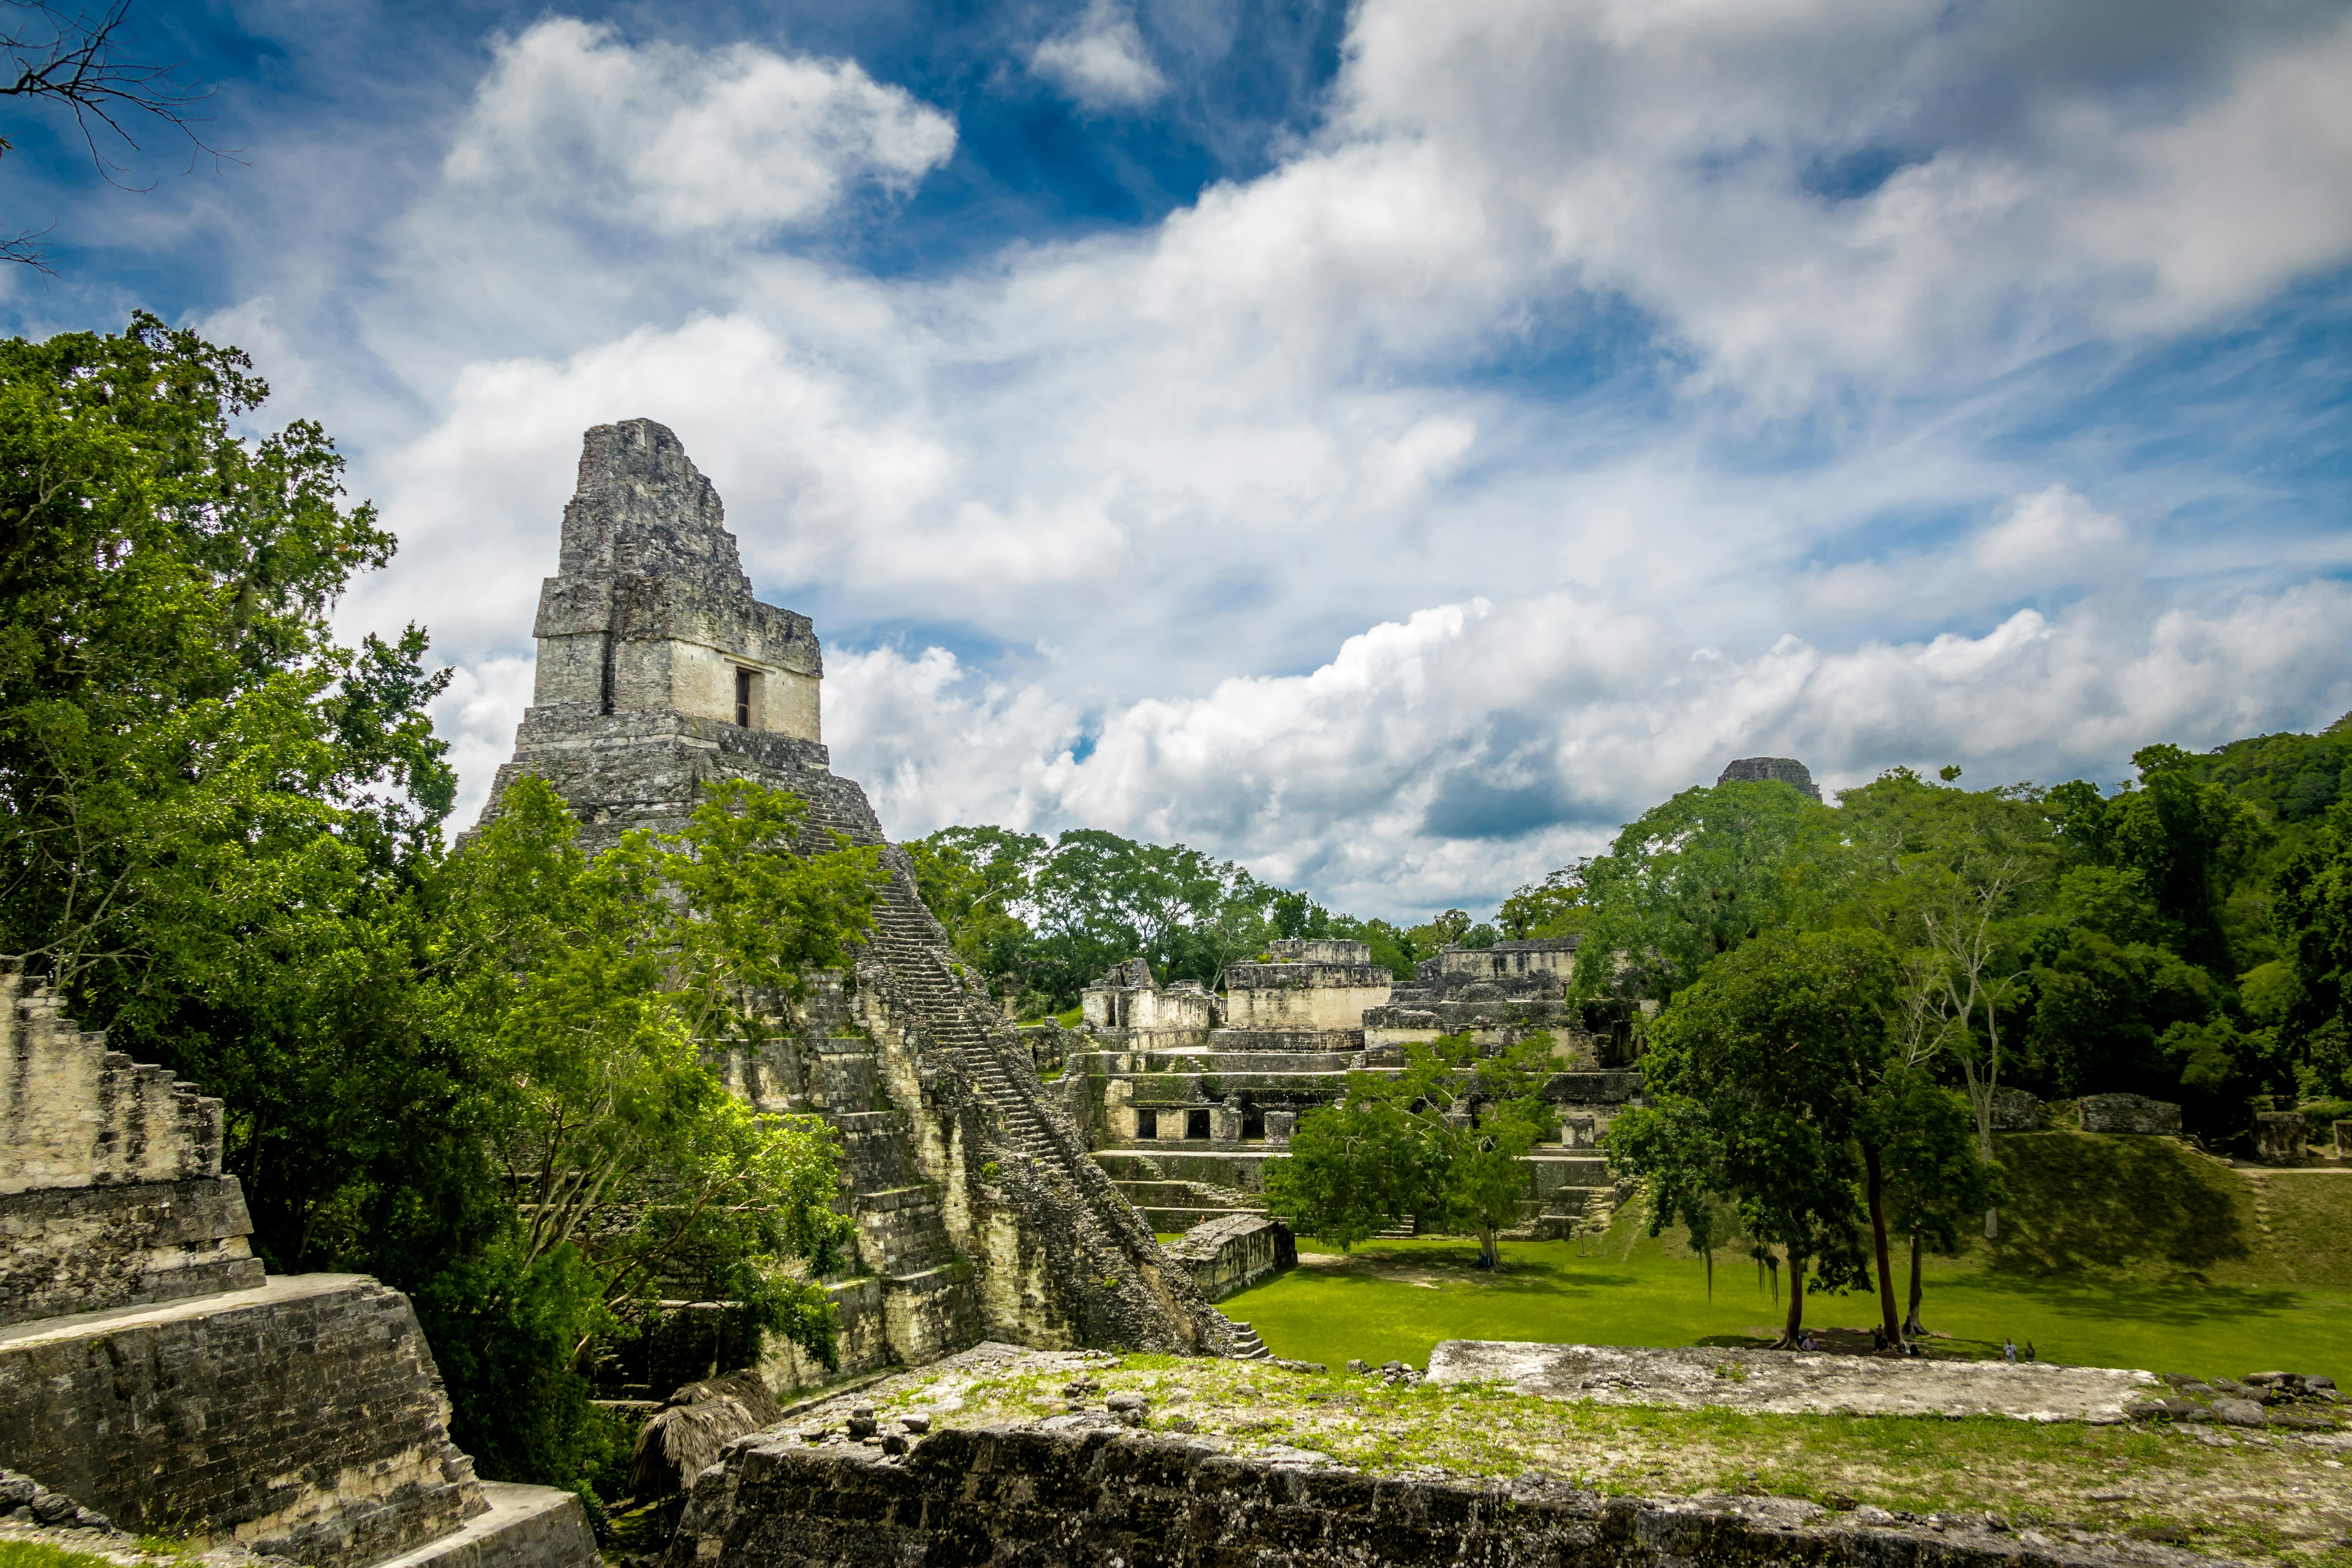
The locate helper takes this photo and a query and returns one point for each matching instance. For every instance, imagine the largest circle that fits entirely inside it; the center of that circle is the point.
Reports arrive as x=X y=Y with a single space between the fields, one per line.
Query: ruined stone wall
x=1304 y=995
x=305 y=1418
x=1549 y=958
x=1099 y=1500
x=650 y=609
x=1231 y=1254
x=111 y=1191
x=78 y=1114
x=82 y=1250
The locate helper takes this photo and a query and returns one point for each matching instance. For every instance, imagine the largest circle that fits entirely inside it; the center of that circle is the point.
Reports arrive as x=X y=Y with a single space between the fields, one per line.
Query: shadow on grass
x=2179 y=1304
x=2079 y=1203
x=1529 y=1277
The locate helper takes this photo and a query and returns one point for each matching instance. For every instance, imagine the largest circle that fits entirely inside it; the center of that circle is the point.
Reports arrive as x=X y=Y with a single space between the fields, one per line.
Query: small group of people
x=2009 y=1350
x=1881 y=1343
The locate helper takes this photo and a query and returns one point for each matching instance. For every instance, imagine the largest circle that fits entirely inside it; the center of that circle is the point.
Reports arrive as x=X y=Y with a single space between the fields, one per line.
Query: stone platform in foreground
x=1791 y=1383
x=1116 y=1499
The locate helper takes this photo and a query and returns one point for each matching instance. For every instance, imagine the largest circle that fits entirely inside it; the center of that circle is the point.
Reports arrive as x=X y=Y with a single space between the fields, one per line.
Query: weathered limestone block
x=2344 y=1140
x=79 y=1115
x=2280 y=1137
x=1236 y=1252
x=2015 y=1111
x=82 y=1250
x=1102 y=1498
x=304 y=1417
x=1792 y=1382
x=2128 y=1113
x=522 y=1527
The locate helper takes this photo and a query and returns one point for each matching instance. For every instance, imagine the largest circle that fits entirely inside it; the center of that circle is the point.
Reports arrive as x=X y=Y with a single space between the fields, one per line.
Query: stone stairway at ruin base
x=151 y=1373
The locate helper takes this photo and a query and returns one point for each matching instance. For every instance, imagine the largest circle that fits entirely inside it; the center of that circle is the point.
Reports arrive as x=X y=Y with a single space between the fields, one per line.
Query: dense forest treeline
x=2183 y=935
x=1044 y=919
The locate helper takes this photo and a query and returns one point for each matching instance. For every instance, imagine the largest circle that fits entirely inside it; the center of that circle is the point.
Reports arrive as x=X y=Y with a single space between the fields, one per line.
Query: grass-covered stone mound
x=2281 y=1494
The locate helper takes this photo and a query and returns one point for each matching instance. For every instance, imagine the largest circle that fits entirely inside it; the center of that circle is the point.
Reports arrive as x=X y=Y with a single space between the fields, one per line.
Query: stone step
x=524 y=1526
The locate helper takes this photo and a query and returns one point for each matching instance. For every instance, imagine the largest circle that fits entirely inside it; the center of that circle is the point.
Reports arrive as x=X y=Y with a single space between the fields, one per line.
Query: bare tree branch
x=75 y=58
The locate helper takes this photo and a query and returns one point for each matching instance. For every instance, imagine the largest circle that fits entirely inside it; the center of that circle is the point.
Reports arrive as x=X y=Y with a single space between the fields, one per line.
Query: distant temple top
x=650 y=610
x=1782 y=769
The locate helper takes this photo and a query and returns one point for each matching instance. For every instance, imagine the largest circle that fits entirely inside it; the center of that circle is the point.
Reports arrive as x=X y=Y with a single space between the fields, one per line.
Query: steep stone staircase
x=907 y=939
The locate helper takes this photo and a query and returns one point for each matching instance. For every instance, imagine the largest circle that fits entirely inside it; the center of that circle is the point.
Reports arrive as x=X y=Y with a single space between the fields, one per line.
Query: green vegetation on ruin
x=2270 y=1498
x=2117 y=1251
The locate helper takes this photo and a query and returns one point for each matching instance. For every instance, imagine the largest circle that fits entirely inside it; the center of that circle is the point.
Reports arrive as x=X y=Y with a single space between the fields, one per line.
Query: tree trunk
x=1490 y=1255
x=1993 y=1225
x=1795 y=1326
x=1874 y=1189
x=1911 y=1325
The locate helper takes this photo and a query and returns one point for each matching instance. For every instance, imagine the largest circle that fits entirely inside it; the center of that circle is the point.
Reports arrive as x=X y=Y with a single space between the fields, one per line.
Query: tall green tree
x=2314 y=917
x=213 y=818
x=1697 y=877
x=1774 y=1080
x=2188 y=839
x=1948 y=875
x=1936 y=1177
x=1441 y=1140
x=595 y=991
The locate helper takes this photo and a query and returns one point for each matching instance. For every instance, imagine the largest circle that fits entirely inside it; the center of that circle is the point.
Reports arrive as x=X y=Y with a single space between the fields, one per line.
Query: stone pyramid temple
x=979 y=1213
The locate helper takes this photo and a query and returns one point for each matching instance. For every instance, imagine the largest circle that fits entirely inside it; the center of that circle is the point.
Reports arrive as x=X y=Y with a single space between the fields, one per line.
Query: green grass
x=2117 y=1251
x=40 y=1554
x=1394 y=1299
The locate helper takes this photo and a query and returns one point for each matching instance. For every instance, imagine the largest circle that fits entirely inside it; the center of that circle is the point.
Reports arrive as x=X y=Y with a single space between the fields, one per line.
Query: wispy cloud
x=1100 y=59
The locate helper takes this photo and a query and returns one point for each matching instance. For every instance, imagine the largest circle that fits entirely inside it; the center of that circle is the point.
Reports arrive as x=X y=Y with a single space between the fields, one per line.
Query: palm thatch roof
x=684 y=1437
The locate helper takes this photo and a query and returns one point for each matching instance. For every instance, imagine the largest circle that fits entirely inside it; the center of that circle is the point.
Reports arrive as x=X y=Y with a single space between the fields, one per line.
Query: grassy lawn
x=1394 y=1299
x=2118 y=1252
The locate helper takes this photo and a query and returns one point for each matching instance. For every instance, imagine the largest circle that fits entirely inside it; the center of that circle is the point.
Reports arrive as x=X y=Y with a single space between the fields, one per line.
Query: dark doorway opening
x=744 y=698
x=1252 y=1122
x=1196 y=1124
x=1147 y=1124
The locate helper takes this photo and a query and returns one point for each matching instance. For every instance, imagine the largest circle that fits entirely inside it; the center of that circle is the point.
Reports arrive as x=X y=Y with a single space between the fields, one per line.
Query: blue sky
x=1390 y=445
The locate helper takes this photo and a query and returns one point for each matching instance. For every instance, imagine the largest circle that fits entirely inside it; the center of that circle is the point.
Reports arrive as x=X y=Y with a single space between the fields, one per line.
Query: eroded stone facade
x=1774 y=770
x=149 y=1371
x=111 y=1187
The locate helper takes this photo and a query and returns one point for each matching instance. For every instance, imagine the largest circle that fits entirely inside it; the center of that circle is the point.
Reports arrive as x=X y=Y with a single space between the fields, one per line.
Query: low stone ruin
x=1789 y=1383
x=1233 y=1254
x=2129 y=1113
x=2282 y=1137
x=2015 y=1111
x=149 y=1371
x=1110 y=1498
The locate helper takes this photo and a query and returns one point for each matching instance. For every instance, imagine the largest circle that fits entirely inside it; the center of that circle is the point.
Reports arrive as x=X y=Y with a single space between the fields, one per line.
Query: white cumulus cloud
x=738 y=140
x=1100 y=59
